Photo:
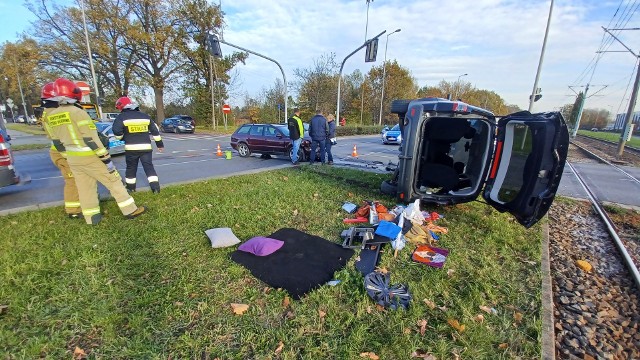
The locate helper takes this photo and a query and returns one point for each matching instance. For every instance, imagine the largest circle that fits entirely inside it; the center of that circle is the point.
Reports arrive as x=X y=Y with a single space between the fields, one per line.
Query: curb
x=548 y=334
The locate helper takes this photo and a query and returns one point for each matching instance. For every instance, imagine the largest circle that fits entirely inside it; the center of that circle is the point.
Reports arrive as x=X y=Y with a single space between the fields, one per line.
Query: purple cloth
x=261 y=246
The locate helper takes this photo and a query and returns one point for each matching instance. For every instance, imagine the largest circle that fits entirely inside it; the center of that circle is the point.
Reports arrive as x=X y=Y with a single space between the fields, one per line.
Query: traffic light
x=538 y=95
x=372 y=50
x=214 y=45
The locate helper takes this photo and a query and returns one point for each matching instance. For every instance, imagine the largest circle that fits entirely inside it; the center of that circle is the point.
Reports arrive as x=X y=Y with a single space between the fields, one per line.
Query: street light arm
x=284 y=77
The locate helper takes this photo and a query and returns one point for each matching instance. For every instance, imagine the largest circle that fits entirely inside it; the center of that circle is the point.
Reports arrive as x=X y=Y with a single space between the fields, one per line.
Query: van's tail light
x=496 y=160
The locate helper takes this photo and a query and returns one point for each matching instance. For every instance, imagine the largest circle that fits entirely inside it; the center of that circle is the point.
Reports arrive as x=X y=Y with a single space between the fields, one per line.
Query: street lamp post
x=384 y=73
x=24 y=105
x=458 y=86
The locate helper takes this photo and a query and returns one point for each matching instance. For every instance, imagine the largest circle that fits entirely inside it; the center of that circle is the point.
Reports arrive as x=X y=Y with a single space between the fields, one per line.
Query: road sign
x=226 y=108
x=84 y=87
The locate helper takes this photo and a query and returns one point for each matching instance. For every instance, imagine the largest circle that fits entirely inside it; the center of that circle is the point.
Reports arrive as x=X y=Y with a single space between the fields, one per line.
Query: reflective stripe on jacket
x=73 y=128
x=134 y=127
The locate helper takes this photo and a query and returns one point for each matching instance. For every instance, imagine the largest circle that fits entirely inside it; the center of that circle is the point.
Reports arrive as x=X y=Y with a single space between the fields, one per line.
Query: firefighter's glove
x=110 y=167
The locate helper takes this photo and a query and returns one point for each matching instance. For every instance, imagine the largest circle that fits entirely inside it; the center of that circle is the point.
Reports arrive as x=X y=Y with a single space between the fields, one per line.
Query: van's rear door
x=531 y=150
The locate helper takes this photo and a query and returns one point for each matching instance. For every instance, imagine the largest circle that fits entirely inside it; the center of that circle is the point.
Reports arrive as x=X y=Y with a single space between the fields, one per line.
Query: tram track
x=596 y=311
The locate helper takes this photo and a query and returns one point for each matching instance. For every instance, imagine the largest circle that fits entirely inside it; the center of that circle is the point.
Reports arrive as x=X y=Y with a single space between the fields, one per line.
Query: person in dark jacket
x=296 y=133
x=318 y=130
x=331 y=138
x=133 y=126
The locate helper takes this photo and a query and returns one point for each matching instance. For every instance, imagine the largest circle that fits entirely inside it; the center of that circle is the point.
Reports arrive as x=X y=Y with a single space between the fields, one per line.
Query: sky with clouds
x=497 y=43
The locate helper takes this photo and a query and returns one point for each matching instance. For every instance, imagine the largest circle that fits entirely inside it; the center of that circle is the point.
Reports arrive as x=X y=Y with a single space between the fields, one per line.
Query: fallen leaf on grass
x=279 y=348
x=14 y=223
x=503 y=346
x=295 y=212
x=382 y=270
x=286 y=302
x=518 y=317
x=443 y=308
x=51 y=222
x=322 y=314
x=369 y=309
x=266 y=290
x=456 y=325
x=450 y=272
x=315 y=195
x=239 y=309
x=379 y=307
x=195 y=208
x=430 y=304
x=370 y=355
x=423 y=326
x=489 y=310
x=78 y=353
x=209 y=205
x=285 y=178
x=178 y=303
x=479 y=318
x=423 y=355
x=406 y=331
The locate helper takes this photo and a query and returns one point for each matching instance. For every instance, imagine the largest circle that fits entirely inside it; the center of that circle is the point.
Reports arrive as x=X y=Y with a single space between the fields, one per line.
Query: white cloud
x=497 y=43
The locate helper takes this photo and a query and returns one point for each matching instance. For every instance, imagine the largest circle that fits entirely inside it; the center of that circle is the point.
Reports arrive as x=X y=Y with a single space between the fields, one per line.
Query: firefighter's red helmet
x=66 y=89
x=47 y=91
x=123 y=102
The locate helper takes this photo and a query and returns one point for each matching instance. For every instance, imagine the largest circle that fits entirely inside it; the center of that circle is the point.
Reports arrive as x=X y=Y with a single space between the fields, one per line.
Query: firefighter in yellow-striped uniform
x=89 y=160
x=59 y=159
x=134 y=127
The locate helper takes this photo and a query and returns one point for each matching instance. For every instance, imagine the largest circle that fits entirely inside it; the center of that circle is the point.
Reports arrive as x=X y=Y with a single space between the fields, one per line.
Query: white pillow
x=222 y=237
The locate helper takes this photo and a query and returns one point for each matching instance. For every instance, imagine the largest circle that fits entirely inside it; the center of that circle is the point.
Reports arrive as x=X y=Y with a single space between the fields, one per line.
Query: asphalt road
x=187 y=158
x=192 y=157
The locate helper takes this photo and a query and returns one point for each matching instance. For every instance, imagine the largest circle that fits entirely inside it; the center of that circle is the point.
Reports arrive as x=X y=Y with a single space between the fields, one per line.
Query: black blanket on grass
x=302 y=264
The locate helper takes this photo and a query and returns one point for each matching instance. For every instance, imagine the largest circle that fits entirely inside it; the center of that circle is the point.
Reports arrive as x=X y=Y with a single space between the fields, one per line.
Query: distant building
x=620 y=118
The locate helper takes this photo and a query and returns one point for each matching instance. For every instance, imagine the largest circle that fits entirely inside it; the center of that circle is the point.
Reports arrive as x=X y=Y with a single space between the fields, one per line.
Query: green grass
x=615 y=137
x=154 y=288
x=30 y=147
x=29 y=129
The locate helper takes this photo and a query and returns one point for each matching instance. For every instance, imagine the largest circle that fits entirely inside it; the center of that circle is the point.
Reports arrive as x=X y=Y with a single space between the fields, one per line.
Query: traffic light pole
x=342 y=67
x=532 y=99
x=284 y=77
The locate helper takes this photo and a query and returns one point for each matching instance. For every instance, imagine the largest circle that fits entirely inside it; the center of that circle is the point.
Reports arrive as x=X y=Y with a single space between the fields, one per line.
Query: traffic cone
x=354 y=153
x=219 y=152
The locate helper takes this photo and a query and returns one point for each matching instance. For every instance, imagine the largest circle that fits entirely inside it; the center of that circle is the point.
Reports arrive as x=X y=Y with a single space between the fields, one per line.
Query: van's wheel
x=243 y=150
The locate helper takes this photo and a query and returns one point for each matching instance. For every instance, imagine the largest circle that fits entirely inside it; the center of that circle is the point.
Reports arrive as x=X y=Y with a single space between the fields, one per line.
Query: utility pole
x=213 y=102
x=544 y=46
x=632 y=102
